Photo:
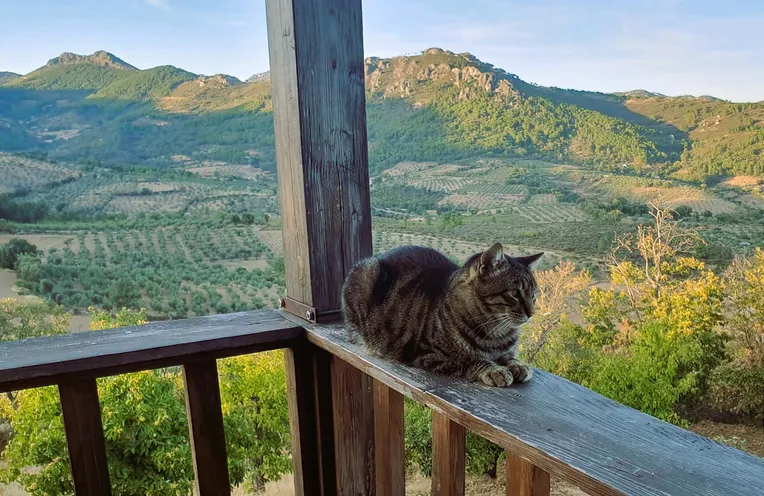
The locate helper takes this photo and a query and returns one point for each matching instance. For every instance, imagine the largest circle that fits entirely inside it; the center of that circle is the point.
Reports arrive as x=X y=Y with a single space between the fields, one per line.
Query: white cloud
x=159 y=4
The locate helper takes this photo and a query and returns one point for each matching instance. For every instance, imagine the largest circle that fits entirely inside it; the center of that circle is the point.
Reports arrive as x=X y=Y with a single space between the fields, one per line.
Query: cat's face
x=504 y=284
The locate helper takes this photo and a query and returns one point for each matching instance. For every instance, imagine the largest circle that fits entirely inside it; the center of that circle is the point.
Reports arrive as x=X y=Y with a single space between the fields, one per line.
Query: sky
x=672 y=47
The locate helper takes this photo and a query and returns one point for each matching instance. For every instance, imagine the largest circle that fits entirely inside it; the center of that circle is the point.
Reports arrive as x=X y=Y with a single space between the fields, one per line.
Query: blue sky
x=672 y=47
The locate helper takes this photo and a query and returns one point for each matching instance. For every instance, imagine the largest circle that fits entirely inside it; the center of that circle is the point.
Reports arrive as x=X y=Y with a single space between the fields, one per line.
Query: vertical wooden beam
x=523 y=479
x=84 y=437
x=205 y=421
x=390 y=449
x=353 y=398
x=319 y=107
x=448 y=456
x=310 y=420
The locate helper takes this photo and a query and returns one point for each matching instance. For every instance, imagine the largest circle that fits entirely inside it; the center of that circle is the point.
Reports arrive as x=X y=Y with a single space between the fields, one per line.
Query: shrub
x=482 y=456
x=12 y=250
x=737 y=389
x=146 y=429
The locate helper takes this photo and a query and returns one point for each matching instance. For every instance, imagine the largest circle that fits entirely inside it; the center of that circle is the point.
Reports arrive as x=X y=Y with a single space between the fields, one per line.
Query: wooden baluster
x=353 y=400
x=84 y=437
x=448 y=452
x=310 y=419
x=390 y=449
x=524 y=479
x=205 y=421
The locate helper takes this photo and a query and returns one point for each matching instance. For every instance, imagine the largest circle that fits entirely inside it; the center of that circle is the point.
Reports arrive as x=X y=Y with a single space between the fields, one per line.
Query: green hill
x=726 y=138
x=70 y=71
x=145 y=85
x=7 y=77
x=437 y=105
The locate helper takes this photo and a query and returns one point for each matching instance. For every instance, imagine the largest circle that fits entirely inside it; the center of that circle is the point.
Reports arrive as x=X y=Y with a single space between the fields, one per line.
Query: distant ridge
x=260 y=76
x=638 y=94
x=7 y=77
x=101 y=58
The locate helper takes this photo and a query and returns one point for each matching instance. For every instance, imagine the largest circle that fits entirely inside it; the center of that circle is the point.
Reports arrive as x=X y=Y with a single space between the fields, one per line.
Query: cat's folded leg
x=521 y=371
x=490 y=374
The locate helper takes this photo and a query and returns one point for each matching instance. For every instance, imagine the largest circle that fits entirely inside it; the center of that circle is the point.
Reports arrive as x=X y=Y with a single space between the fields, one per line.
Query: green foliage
x=13 y=250
x=255 y=412
x=482 y=456
x=145 y=85
x=145 y=424
x=652 y=374
x=70 y=77
x=22 y=320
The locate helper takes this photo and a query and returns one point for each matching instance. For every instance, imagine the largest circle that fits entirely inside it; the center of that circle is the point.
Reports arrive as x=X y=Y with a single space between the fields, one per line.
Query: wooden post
x=448 y=456
x=390 y=448
x=524 y=479
x=205 y=422
x=353 y=400
x=310 y=419
x=84 y=437
x=319 y=111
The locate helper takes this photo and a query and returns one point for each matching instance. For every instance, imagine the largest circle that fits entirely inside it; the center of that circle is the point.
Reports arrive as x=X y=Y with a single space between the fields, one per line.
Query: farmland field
x=23 y=174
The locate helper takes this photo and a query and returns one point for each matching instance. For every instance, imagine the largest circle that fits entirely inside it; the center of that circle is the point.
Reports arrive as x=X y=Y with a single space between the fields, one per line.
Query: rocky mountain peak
x=101 y=58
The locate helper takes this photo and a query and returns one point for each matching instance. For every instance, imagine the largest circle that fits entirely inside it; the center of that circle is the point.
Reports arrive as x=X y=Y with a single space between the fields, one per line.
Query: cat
x=415 y=306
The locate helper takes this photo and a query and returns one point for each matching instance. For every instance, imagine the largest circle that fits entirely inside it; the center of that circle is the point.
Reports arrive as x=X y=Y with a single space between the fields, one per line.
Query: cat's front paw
x=495 y=376
x=521 y=372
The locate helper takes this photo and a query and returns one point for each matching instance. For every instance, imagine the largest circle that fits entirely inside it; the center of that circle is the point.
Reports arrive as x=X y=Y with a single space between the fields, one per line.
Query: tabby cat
x=415 y=306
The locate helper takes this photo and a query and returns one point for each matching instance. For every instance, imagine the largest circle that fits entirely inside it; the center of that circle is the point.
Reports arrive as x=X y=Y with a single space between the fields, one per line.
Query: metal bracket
x=307 y=312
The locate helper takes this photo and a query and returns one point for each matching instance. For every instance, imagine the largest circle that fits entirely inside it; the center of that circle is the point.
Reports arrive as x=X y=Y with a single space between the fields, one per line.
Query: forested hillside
x=435 y=106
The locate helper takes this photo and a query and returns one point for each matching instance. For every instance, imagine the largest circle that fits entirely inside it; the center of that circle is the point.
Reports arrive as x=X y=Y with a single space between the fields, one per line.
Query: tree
x=737 y=386
x=559 y=287
x=146 y=429
x=12 y=250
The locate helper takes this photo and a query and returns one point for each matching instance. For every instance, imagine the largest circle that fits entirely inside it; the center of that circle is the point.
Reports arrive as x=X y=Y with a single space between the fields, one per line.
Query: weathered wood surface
x=390 y=456
x=353 y=401
x=448 y=456
x=308 y=395
x=45 y=361
x=319 y=109
x=567 y=430
x=523 y=479
x=205 y=422
x=84 y=437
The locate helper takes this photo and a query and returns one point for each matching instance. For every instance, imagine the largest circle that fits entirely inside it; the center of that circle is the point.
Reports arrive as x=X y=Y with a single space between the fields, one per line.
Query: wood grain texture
x=319 y=107
x=523 y=479
x=353 y=400
x=308 y=382
x=569 y=431
x=205 y=422
x=84 y=437
x=49 y=360
x=390 y=457
x=448 y=456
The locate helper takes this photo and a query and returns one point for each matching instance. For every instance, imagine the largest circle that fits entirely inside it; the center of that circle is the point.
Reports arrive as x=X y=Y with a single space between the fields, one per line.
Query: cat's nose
x=529 y=310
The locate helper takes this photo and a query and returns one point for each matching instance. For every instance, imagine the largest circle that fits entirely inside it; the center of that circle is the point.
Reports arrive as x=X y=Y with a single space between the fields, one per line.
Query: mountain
x=260 y=76
x=99 y=58
x=7 y=77
x=70 y=71
x=149 y=84
x=438 y=105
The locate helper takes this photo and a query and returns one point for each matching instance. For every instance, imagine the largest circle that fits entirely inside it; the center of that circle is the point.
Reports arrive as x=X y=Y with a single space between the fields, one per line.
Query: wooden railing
x=341 y=400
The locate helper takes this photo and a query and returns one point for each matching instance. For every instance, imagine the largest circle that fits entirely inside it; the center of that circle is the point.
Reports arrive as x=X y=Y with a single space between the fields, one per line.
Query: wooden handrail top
x=598 y=444
x=46 y=361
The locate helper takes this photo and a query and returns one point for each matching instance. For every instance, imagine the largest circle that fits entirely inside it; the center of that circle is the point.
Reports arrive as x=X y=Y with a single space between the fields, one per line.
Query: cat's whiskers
x=493 y=319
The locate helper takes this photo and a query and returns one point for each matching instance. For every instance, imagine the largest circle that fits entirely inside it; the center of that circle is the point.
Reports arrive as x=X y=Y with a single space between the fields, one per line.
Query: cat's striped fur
x=414 y=305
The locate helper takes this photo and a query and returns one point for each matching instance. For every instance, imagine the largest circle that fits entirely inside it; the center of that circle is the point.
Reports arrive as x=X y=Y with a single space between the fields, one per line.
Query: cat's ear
x=491 y=258
x=531 y=261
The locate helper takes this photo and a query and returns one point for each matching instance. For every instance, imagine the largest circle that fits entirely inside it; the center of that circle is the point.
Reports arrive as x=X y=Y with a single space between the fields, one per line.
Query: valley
x=154 y=192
